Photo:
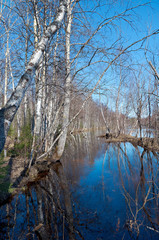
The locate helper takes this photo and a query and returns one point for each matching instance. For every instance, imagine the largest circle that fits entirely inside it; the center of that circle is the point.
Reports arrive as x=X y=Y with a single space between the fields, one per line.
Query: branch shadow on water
x=44 y=210
x=142 y=197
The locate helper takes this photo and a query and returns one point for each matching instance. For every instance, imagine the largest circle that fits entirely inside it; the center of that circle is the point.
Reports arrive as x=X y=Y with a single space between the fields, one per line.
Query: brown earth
x=19 y=178
x=150 y=144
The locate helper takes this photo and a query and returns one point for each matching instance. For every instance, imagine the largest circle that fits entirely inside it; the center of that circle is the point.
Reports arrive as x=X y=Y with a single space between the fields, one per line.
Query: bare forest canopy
x=74 y=65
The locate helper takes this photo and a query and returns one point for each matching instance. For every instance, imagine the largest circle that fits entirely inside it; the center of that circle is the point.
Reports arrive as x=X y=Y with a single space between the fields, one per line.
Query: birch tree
x=38 y=80
x=8 y=112
x=66 y=109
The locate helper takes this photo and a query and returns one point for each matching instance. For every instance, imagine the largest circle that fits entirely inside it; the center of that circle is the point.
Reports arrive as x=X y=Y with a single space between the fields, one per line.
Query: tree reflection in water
x=143 y=210
x=114 y=191
x=43 y=212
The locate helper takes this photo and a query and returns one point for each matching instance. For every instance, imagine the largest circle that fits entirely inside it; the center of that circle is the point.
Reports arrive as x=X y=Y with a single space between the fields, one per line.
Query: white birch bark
x=44 y=86
x=65 y=120
x=54 y=79
x=51 y=105
x=8 y=112
x=6 y=75
x=26 y=62
x=38 y=119
x=117 y=106
x=38 y=104
x=6 y=70
x=11 y=72
x=18 y=125
x=86 y=124
x=101 y=109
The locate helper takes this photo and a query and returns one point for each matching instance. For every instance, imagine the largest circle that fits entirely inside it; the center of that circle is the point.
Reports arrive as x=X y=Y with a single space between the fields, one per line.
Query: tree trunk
x=158 y=126
x=66 y=110
x=117 y=104
x=26 y=63
x=6 y=71
x=157 y=75
x=38 y=81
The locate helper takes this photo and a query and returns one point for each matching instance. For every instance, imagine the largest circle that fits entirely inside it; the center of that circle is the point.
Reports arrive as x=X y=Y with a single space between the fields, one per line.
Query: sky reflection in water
x=114 y=194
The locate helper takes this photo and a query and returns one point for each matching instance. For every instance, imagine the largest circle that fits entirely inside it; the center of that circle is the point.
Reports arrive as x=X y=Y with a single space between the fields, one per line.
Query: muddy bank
x=18 y=178
x=44 y=197
x=150 y=144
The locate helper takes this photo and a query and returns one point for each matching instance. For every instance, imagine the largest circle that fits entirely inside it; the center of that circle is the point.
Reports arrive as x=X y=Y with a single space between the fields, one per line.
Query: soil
x=150 y=144
x=18 y=178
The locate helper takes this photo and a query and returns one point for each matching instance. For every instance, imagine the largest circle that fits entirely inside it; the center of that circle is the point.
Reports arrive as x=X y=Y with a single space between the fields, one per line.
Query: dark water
x=101 y=191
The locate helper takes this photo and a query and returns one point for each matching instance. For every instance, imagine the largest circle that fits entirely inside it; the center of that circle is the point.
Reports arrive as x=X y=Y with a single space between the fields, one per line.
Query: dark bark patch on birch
x=29 y=70
x=57 y=24
x=16 y=97
x=9 y=114
x=25 y=76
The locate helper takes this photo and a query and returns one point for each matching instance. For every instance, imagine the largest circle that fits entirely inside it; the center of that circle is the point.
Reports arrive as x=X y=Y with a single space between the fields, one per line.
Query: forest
x=70 y=67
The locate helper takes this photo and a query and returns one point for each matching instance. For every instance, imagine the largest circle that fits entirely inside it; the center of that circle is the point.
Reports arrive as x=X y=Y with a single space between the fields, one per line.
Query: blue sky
x=138 y=23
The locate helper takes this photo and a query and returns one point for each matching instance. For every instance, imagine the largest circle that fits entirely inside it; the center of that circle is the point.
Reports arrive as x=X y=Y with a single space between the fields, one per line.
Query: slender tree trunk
x=158 y=126
x=44 y=88
x=157 y=118
x=38 y=80
x=103 y=116
x=26 y=63
x=6 y=70
x=66 y=110
x=117 y=104
x=51 y=105
x=101 y=108
x=149 y=106
x=38 y=104
x=6 y=77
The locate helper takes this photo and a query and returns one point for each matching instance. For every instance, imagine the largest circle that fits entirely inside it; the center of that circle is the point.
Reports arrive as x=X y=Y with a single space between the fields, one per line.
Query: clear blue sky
x=137 y=23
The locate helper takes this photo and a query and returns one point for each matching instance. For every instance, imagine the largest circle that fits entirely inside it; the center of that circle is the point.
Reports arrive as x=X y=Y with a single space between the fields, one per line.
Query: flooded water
x=101 y=191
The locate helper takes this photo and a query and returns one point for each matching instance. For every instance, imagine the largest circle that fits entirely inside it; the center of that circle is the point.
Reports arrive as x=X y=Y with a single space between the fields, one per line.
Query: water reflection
x=101 y=191
x=44 y=211
x=115 y=191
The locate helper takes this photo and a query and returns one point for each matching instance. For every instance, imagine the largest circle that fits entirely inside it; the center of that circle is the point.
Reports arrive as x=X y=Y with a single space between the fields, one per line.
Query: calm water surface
x=103 y=191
